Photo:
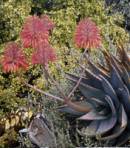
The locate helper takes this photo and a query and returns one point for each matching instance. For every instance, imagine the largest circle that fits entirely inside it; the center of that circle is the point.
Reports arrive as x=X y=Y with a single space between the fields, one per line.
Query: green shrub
x=12 y=14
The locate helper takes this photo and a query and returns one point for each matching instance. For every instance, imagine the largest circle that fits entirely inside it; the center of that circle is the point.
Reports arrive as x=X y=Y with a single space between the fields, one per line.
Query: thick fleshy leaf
x=107 y=58
x=100 y=127
x=120 y=126
x=106 y=125
x=124 y=97
x=125 y=60
x=95 y=79
x=91 y=92
x=92 y=115
x=96 y=70
x=110 y=91
x=121 y=71
x=126 y=77
x=109 y=123
x=67 y=109
x=87 y=81
x=116 y=59
x=116 y=80
x=99 y=101
x=103 y=67
x=92 y=128
x=116 y=63
x=111 y=104
x=123 y=138
x=103 y=110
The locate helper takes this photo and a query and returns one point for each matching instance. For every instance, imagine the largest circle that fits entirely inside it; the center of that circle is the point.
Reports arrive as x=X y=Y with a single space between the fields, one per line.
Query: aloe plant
x=105 y=91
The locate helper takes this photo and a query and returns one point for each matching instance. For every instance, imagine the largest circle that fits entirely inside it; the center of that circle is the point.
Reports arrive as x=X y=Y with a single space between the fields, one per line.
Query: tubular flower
x=48 y=24
x=13 y=58
x=35 y=30
x=43 y=55
x=87 y=34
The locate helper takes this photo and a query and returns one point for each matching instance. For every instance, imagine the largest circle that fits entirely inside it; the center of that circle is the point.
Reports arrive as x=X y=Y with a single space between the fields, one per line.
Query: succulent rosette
x=105 y=89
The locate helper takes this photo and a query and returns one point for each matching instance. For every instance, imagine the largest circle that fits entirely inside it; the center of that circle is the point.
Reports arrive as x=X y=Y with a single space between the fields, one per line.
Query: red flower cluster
x=87 y=34
x=36 y=30
x=48 y=24
x=35 y=34
x=13 y=58
x=43 y=55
